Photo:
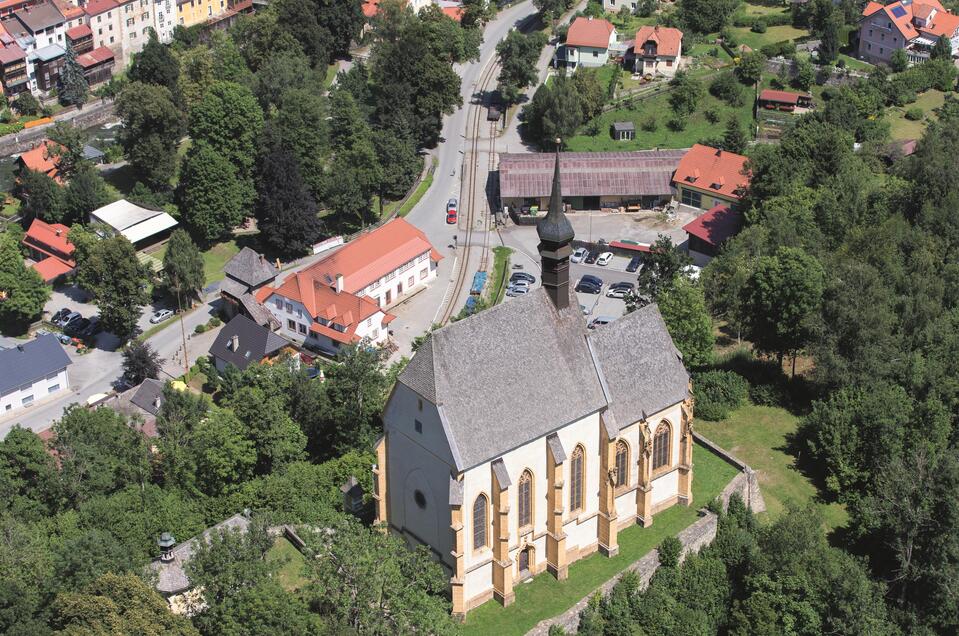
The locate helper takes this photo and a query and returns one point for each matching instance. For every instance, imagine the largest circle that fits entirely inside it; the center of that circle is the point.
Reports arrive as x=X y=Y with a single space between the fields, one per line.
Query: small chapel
x=518 y=441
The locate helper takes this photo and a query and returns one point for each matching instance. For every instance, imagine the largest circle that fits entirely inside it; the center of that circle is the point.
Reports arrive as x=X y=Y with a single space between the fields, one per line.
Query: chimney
x=166 y=543
x=555 y=235
x=262 y=258
x=339 y=283
x=59 y=231
x=156 y=402
x=235 y=343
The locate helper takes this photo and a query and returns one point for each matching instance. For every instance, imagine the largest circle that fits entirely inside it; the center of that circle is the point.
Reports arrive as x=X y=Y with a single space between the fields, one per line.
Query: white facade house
x=32 y=371
x=164 y=19
x=588 y=43
x=136 y=20
x=657 y=50
x=516 y=441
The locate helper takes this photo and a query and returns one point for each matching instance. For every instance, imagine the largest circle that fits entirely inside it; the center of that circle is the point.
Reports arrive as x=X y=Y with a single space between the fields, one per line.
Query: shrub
x=718 y=392
x=713 y=52
x=914 y=114
x=711 y=115
x=650 y=124
x=779 y=49
x=200 y=329
x=768 y=395
x=677 y=124
x=214 y=322
x=759 y=26
x=727 y=88
x=669 y=552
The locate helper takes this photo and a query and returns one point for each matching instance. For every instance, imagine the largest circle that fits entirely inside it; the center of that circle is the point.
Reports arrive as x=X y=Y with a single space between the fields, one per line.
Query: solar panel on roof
x=898 y=11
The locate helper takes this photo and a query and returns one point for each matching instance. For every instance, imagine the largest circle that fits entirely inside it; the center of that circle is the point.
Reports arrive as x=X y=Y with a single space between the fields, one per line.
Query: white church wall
x=665 y=487
x=478 y=581
x=626 y=505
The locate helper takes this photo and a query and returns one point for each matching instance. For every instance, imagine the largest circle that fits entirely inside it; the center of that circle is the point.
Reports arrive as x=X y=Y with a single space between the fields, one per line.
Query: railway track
x=475 y=215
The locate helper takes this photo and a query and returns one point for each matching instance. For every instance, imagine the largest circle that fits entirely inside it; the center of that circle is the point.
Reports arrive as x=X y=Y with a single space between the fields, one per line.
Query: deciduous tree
x=684 y=311
x=41 y=196
x=117 y=280
x=183 y=266
x=155 y=65
x=212 y=196
x=152 y=126
x=518 y=53
x=285 y=210
x=22 y=292
x=86 y=192
x=141 y=361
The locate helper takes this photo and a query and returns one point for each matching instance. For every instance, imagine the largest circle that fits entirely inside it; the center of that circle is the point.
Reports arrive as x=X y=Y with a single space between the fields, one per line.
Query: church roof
x=522 y=370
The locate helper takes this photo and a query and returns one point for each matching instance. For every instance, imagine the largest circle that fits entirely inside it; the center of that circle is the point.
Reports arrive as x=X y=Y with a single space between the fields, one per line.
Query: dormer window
x=693 y=176
x=718 y=185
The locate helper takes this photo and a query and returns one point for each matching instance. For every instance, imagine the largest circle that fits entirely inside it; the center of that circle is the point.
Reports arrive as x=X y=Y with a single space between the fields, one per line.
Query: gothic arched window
x=622 y=463
x=577 y=477
x=661 y=441
x=479 y=522
x=524 y=506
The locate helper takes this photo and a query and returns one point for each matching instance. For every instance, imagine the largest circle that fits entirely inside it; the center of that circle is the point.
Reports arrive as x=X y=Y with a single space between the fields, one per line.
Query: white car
x=579 y=255
x=160 y=316
x=518 y=290
x=604 y=259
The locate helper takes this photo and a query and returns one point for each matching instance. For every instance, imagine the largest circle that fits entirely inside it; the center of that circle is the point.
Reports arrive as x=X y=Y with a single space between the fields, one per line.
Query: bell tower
x=555 y=235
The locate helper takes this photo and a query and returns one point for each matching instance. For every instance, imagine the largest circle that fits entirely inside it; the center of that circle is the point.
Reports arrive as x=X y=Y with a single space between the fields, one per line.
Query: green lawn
x=499 y=274
x=773 y=34
x=761 y=9
x=901 y=128
x=9 y=210
x=213 y=259
x=697 y=126
x=290 y=575
x=545 y=597
x=758 y=436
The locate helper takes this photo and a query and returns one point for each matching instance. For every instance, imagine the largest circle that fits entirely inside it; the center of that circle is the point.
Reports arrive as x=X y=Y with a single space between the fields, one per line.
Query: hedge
x=718 y=392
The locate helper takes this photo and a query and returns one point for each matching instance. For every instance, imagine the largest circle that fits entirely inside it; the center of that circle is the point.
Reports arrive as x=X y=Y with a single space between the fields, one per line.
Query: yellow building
x=191 y=12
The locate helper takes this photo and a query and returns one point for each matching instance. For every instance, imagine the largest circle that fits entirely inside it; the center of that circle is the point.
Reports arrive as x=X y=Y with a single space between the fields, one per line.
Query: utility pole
x=186 y=356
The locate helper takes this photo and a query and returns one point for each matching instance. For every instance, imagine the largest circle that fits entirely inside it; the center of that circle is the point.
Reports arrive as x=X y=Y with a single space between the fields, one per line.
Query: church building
x=518 y=441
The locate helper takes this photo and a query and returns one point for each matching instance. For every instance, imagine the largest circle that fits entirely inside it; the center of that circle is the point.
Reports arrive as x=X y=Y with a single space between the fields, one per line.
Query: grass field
x=761 y=9
x=544 y=596
x=498 y=276
x=213 y=259
x=291 y=562
x=697 y=128
x=772 y=35
x=758 y=436
x=901 y=128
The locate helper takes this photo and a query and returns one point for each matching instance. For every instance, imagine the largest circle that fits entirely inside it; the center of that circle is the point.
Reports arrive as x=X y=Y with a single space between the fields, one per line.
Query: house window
x=302 y=328
x=369 y=322
x=524 y=504
x=289 y=308
x=111 y=39
x=374 y=334
x=868 y=46
x=669 y=63
x=661 y=446
x=279 y=303
x=53 y=388
x=419 y=404
x=411 y=281
x=479 y=522
x=418 y=426
x=692 y=198
x=870 y=32
x=26 y=400
x=622 y=464
x=291 y=325
x=424 y=273
x=209 y=10
x=577 y=475
x=595 y=53
x=881 y=51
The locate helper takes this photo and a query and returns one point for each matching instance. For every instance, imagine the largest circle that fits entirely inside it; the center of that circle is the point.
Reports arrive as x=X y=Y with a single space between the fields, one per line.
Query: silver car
x=160 y=316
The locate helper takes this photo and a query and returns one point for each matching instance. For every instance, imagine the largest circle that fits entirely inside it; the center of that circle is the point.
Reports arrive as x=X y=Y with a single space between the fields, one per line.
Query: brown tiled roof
x=589 y=32
x=586 y=174
x=715 y=226
x=78 y=32
x=668 y=40
x=713 y=170
x=94 y=57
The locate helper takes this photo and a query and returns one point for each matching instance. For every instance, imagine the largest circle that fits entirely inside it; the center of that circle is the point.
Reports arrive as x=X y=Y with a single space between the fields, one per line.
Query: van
x=599 y=321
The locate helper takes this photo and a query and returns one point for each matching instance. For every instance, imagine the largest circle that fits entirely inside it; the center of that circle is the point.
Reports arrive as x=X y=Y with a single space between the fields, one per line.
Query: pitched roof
x=515 y=372
x=80 y=31
x=781 y=97
x=668 y=40
x=148 y=396
x=641 y=368
x=40 y=16
x=49 y=235
x=944 y=24
x=96 y=7
x=592 y=32
x=713 y=170
x=40 y=158
x=715 y=226
x=922 y=11
x=171 y=576
x=133 y=221
x=31 y=361
x=250 y=268
x=10 y=51
x=69 y=11
x=373 y=255
x=96 y=56
x=253 y=343
x=637 y=173
x=52 y=268
x=48 y=53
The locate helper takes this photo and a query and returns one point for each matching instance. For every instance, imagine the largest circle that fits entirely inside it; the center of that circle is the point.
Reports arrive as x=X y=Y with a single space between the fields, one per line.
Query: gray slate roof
x=28 y=362
x=146 y=396
x=522 y=370
x=513 y=373
x=40 y=16
x=171 y=576
x=255 y=342
x=250 y=268
x=641 y=366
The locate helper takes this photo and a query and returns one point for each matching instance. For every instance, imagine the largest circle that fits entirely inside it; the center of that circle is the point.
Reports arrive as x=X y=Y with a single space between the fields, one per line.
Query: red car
x=451 y=211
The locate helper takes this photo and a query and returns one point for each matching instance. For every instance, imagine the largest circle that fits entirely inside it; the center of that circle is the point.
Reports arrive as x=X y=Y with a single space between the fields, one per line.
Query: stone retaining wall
x=693 y=538
x=91 y=115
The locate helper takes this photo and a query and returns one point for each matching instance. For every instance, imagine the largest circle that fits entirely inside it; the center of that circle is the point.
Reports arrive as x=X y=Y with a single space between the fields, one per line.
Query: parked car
x=60 y=315
x=77 y=327
x=599 y=321
x=591 y=258
x=589 y=278
x=519 y=290
x=63 y=338
x=634 y=263
x=579 y=255
x=93 y=328
x=522 y=276
x=67 y=318
x=72 y=319
x=160 y=316
x=604 y=259
x=619 y=290
x=451 y=206
x=587 y=287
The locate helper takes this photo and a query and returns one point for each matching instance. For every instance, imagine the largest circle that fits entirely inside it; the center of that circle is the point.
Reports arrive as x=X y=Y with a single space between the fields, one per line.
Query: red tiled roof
x=944 y=24
x=39 y=159
x=69 y=11
x=96 y=56
x=712 y=170
x=96 y=7
x=633 y=247
x=589 y=32
x=668 y=40
x=373 y=255
x=52 y=268
x=11 y=52
x=49 y=235
x=370 y=7
x=715 y=226
x=870 y=8
x=922 y=11
x=455 y=13
x=780 y=97
x=78 y=32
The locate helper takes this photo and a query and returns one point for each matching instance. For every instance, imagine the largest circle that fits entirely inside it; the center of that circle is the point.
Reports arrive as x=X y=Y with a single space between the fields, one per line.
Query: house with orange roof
x=588 y=43
x=342 y=298
x=707 y=177
x=50 y=249
x=40 y=158
x=911 y=25
x=657 y=50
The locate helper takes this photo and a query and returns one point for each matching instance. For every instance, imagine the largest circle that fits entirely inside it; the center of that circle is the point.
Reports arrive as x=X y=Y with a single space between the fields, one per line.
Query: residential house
x=40 y=158
x=164 y=19
x=80 y=38
x=246 y=273
x=39 y=31
x=516 y=441
x=614 y=6
x=32 y=371
x=707 y=233
x=141 y=226
x=47 y=65
x=913 y=26
x=707 y=177
x=7 y=7
x=142 y=404
x=587 y=43
x=14 y=72
x=242 y=342
x=97 y=65
x=786 y=101
x=103 y=16
x=193 y=12
x=72 y=13
x=657 y=50
x=136 y=20
x=50 y=249
x=594 y=180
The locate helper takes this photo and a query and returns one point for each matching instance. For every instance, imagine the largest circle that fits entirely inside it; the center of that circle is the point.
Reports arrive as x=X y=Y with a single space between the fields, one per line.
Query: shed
x=624 y=131
x=141 y=226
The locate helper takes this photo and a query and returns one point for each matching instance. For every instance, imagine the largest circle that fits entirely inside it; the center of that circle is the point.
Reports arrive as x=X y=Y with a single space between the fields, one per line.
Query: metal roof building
x=134 y=222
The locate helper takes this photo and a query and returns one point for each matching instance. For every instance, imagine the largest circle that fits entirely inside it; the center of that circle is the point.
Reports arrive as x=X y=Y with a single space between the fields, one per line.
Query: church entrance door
x=524 y=561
